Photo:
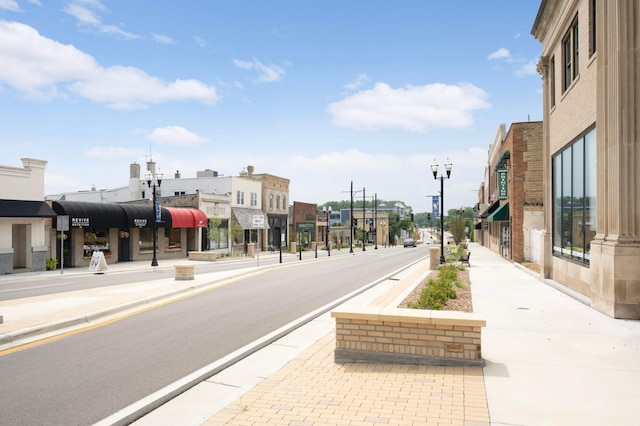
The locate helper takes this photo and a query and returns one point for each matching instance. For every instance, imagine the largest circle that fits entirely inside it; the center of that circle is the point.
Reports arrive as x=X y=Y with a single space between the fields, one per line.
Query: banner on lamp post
x=435 y=202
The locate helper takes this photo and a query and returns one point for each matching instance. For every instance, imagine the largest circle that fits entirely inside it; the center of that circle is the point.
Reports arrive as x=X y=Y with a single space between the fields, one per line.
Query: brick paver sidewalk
x=313 y=390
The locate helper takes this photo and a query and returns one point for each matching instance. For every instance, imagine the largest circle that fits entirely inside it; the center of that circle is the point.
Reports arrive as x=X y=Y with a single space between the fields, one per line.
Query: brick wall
x=407 y=336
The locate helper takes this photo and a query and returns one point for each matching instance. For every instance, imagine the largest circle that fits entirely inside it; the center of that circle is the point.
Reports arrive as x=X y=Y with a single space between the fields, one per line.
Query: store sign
x=80 y=222
x=258 y=221
x=140 y=222
x=503 y=180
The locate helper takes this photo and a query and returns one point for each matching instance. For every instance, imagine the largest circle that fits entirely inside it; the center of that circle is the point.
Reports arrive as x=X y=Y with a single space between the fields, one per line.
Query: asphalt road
x=83 y=378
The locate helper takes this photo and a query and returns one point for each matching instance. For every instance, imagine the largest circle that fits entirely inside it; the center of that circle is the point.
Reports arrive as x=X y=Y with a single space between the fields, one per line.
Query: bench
x=465 y=258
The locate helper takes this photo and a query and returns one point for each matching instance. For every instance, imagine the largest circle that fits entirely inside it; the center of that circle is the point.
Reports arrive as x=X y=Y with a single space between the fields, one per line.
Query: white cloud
x=411 y=108
x=529 y=68
x=201 y=42
x=176 y=135
x=10 y=5
x=501 y=53
x=360 y=81
x=39 y=67
x=162 y=39
x=86 y=13
x=266 y=73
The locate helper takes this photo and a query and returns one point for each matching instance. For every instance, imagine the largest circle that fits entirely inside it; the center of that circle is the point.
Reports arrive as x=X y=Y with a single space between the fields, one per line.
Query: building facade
x=590 y=70
x=24 y=217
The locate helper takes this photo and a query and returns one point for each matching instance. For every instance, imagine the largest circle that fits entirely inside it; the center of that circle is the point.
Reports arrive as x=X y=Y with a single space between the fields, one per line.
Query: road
x=83 y=378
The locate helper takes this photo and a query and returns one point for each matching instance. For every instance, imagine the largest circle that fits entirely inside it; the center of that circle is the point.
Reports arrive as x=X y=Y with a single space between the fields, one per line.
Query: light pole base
x=154 y=262
x=442 y=260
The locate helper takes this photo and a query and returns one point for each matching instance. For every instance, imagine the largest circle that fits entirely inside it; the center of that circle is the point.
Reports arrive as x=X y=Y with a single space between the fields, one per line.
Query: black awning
x=142 y=216
x=478 y=225
x=92 y=215
x=23 y=208
x=502 y=160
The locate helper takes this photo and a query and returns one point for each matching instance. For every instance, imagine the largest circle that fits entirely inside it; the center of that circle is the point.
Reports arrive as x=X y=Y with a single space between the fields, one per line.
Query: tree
x=214 y=230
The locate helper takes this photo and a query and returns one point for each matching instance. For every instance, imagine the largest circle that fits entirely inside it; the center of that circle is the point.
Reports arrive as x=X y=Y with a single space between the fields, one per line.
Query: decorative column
x=545 y=239
x=615 y=269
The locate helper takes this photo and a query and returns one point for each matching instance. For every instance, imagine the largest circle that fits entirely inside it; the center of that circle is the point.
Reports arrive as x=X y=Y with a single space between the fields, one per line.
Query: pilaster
x=615 y=251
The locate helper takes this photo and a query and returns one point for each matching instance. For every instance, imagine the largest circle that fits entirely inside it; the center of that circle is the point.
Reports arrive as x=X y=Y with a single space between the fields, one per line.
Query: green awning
x=501 y=214
x=503 y=159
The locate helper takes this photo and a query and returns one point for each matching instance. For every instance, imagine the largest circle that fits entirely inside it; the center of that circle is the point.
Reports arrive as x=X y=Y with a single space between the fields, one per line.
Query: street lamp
x=434 y=169
x=156 y=210
x=328 y=229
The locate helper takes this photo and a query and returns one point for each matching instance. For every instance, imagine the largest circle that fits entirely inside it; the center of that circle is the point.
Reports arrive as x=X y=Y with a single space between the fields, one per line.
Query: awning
x=21 y=208
x=142 y=216
x=91 y=215
x=478 y=225
x=186 y=217
x=245 y=216
x=503 y=158
x=501 y=214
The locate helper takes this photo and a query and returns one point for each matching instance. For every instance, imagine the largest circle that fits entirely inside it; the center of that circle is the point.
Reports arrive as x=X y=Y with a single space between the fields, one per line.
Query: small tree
x=214 y=230
x=456 y=227
x=237 y=233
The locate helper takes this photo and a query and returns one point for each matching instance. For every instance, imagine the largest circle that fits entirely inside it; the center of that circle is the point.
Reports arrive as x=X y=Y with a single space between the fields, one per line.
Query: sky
x=323 y=93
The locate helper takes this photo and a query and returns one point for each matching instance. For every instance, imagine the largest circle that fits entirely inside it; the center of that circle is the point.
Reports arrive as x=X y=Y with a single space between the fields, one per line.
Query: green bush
x=438 y=291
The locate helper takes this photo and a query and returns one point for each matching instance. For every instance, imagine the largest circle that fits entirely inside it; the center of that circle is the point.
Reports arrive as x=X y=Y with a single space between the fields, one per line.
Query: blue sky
x=320 y=92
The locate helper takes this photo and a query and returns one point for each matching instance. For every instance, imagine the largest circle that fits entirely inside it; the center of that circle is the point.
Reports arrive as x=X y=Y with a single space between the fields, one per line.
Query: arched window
x=271 y=201
x=278 y=202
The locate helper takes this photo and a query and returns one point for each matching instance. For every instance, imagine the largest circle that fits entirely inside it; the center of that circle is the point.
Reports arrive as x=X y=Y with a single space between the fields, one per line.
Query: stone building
x=590 y=70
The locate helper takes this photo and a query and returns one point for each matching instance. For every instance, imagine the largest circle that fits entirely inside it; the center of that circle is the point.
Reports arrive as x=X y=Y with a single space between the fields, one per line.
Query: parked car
x=409 y=242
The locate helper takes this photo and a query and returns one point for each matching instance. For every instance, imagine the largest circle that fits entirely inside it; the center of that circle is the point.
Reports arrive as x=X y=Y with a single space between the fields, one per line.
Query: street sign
x=258 y=221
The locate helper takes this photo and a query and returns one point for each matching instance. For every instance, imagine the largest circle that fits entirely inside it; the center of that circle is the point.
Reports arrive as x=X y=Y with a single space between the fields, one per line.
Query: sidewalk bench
x=465 y=258
x=407 y=336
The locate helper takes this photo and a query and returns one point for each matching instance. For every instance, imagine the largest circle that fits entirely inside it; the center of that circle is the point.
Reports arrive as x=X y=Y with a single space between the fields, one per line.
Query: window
x=179 y=193
x=240 y=198
x=271 y=201
x=254 y=199
x=574 y=198
x=284 y=202
x=172 y=238
x=96 y=240
x=278 y=202
x=552 y=81
x=570 y=55
x=592 y=27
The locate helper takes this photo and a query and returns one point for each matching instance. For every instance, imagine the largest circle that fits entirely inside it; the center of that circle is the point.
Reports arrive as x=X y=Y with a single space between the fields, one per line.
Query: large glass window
x=96 y=240
x=574 y=198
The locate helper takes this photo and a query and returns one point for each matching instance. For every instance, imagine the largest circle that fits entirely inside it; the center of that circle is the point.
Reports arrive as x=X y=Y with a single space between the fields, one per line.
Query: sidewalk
x=549 y=360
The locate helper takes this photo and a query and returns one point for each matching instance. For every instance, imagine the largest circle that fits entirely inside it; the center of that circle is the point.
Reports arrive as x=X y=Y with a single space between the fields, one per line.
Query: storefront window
x=96 y=240
x=172 y=238
x=146 y=239
x=574 y=197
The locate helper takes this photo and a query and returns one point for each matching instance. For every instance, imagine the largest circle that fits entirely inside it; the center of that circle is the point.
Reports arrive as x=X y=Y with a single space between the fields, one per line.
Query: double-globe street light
x=434 y=169
x=151 y=183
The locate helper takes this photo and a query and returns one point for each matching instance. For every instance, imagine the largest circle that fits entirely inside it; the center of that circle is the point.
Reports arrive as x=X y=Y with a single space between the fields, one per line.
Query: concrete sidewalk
x=550 y=360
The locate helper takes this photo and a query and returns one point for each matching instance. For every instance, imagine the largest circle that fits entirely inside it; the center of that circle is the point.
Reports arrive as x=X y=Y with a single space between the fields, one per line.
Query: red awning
x=200 y=219
x=187 y=218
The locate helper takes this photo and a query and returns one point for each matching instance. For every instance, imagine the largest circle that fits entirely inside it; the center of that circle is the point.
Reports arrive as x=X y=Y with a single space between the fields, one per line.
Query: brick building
x=513 y=191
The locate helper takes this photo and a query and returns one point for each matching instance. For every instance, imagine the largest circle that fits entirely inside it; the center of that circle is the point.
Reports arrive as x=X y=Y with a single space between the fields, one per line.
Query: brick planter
x=407 y=336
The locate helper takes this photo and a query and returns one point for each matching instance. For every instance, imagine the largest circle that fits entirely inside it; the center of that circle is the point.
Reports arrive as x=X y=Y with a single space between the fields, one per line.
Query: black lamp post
x=156 y=210
x=434 y=169
x=364 y=221
x=328 y=229
x=351 y=216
